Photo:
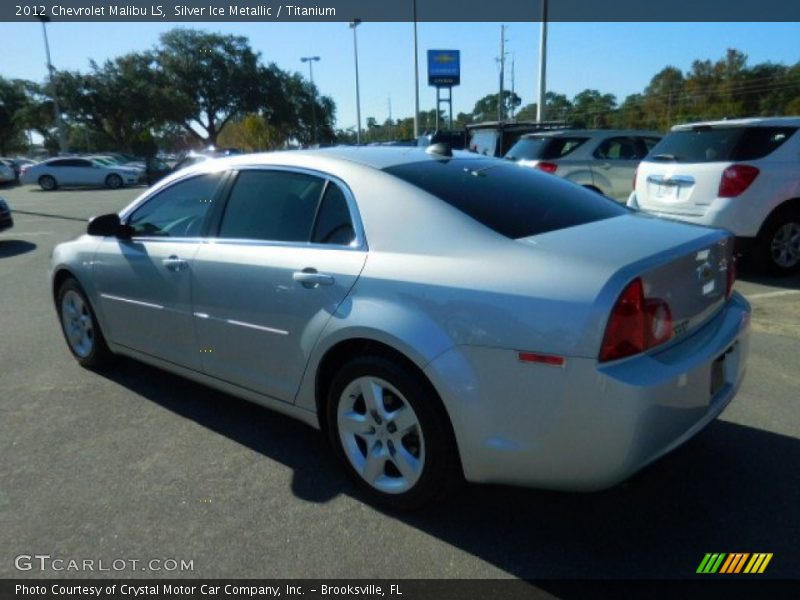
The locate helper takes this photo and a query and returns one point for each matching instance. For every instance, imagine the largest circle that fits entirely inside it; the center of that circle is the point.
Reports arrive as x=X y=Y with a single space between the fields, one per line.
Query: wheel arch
x=346 y=350
x=786 y=205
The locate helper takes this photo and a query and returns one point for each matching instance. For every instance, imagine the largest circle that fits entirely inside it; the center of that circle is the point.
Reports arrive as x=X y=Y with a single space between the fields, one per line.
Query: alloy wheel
x=78 y=324
x=785 y=246
x=381 y=435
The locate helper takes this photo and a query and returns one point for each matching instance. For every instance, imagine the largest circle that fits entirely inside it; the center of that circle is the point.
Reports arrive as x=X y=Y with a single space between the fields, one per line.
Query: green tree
x=214 y=77
x=592 y=109
x=486 y=108
x=120 y=99
x=13 y=102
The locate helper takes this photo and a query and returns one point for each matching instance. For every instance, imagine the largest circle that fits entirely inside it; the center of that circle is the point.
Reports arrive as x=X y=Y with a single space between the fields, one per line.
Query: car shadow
x=9 y=248
x=752 y=274
x=733 y=488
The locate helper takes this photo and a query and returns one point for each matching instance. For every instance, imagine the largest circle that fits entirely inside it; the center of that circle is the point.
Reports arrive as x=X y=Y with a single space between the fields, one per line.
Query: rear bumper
x=587 y=426
x=741 y=217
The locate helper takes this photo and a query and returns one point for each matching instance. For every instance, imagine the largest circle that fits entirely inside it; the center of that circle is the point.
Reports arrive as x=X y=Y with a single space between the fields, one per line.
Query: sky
x=617 y=58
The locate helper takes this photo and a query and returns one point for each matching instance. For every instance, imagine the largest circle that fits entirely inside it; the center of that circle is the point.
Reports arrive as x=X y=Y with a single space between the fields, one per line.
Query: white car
x=742 y=175
x=77 y=171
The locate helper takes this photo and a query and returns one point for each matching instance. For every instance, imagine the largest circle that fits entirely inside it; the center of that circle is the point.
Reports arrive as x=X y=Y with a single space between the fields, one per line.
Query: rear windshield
x=720 y=144
x=514 y=201
x=543 y=147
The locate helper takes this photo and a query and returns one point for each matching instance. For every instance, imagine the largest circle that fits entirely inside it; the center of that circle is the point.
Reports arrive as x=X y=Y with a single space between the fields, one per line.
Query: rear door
x=289 y=249
x=616 y=159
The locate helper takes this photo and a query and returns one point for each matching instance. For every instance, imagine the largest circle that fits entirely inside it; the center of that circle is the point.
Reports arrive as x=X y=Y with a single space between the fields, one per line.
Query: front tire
x=47 y=183
x=389 y=430
x=778 y=245
x=80 y=327
x=114 y=181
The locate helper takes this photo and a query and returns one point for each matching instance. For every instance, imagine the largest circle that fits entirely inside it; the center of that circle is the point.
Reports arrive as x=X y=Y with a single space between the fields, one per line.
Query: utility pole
x=311 y=60
x=62 y=139
x=391 y=124
x=353 y=24
x=540 y=112
x=416 y=71
x=502 y=71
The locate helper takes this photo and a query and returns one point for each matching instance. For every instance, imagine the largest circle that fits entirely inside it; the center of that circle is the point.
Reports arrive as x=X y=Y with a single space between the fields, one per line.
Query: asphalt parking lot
x=135 y=463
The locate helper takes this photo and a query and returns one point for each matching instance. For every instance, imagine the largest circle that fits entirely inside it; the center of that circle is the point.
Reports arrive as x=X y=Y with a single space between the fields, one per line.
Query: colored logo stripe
x=711 y=563
x=758 y=563
x=721 y=562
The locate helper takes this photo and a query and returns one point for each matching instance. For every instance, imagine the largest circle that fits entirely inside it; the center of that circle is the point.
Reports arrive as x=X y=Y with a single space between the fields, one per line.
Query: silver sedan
x=440 y=316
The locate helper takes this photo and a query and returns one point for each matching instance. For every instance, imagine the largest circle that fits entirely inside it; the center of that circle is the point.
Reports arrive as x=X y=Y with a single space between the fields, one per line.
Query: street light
x=62 y=142
x=416 y=71
x=353 y=24
x=540 y=112
x=311 y=60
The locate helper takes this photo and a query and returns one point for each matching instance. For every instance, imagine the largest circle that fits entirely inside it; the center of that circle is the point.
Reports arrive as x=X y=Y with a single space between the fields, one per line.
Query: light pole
x=355 y=23
x=416 y=71
x=62 y=142
x=540 y=113
x=311 y=60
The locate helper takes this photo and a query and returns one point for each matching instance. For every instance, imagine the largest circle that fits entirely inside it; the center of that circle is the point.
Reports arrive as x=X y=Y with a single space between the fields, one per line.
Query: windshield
x=543 y=147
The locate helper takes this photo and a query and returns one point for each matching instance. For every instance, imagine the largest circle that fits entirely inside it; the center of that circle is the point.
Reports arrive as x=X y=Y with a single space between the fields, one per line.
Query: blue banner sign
x=444 y=68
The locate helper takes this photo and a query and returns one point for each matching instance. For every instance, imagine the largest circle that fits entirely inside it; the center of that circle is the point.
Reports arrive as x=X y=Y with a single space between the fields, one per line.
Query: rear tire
x=48 y=183
x=114 y=181
x=80 y=327
x=390 y=432
x=777 y=248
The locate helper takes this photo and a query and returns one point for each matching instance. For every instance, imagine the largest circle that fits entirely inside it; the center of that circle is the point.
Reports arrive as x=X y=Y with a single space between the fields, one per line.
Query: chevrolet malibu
x=439 y=315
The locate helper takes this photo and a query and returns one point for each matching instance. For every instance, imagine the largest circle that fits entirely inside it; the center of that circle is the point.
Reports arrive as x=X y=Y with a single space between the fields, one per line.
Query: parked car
x=743 y=175
x=75 y=171
x=603 y=160
x=493 y=138
x=7 y=172
x=437 y=314
x=457 y=140
x=6 y=220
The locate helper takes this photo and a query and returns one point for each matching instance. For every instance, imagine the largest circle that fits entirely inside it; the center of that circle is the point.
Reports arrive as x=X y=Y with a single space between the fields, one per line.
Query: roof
x=376 y=157
x=592 y=132
x=753 y=121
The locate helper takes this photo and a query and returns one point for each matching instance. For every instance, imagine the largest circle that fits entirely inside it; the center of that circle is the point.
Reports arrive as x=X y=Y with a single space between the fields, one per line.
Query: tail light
x=547 y=167
x=24 y=169
x=636 y=324
x=736 y=179
x=730 y=277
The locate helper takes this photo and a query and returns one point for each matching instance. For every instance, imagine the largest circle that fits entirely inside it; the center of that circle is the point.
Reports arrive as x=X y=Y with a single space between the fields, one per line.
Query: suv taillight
x=636 y=324
x=736 y=179
x=547 y=167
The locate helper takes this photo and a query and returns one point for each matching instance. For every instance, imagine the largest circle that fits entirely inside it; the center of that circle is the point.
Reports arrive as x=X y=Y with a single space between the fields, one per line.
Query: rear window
x=543 y=147
x=720 y=144
x=483 y=141
x=514 y=201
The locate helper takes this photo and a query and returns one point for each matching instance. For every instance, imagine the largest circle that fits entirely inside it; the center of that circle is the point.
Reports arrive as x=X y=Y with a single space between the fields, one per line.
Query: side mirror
x=108 y=226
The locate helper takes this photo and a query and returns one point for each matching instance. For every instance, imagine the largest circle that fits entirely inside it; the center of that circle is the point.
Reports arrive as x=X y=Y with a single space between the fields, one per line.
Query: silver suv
x=603 y=160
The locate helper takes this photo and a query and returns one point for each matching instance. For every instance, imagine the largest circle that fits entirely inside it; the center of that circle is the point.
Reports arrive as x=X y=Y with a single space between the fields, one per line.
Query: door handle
x=173 y=263
x=310 y=278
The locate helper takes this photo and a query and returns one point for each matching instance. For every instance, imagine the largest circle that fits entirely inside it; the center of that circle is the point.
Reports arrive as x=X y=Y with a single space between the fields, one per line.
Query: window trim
x=359 y=245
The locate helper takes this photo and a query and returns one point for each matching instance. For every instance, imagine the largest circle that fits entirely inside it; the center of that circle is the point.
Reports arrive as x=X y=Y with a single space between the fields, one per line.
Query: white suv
x=743 y=175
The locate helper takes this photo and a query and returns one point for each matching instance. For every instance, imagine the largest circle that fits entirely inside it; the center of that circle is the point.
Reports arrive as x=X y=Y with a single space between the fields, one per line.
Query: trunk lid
x=682 y=264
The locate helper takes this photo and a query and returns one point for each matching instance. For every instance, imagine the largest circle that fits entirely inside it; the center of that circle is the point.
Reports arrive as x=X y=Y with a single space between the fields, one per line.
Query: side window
x=178 y=211
x=334 y=225
x=617 y=148
x=272 y=205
